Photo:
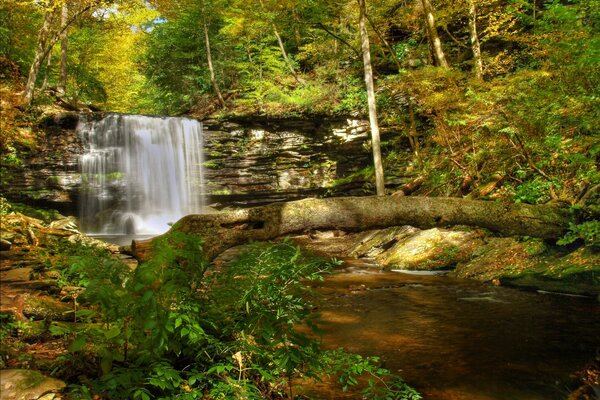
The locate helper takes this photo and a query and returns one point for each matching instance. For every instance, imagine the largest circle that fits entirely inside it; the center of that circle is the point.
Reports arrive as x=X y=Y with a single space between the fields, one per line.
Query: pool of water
x=459 y=339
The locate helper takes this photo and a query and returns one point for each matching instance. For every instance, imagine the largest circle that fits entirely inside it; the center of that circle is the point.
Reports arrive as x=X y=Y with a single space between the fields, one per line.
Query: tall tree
x=62 y=80
x=475 y=39
x=41 y=52
x=375 y=138
x=211 y=69
x=284 y=54
x=48 y=36
x=434 y=38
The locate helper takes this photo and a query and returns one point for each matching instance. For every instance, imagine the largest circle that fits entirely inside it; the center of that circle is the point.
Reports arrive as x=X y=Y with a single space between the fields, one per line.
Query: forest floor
x=36 y=304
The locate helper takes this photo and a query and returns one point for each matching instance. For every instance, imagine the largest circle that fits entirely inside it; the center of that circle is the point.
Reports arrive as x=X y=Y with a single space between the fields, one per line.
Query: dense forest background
x=495 y=97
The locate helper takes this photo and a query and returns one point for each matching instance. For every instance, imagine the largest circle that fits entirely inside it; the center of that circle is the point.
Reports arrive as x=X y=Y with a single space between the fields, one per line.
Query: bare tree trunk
x=47 y=40
x=284 y=54
x=433 y=35
x=47 y=72
x=376 y=141
x=475 y=40
x=211 y=70
x=385 y=42
x=413 y=136
x=282 y=49
x=223 y=230
x=62 y=81
x=40 y=54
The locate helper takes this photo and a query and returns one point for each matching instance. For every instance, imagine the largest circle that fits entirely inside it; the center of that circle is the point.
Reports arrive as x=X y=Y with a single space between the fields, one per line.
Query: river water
x=459 y=339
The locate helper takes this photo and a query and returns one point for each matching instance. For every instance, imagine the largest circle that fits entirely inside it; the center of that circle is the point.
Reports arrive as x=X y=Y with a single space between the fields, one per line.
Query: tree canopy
x=520 y=78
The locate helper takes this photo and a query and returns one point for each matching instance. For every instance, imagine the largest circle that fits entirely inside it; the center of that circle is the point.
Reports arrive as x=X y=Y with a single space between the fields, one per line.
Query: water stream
x=459 y=339
x=139 y=174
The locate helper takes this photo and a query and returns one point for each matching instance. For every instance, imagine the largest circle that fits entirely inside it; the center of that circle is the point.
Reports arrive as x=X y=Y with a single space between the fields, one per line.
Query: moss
x=533 y=264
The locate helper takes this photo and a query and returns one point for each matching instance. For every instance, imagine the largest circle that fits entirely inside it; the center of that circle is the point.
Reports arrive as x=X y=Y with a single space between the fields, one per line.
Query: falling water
x=139 y=173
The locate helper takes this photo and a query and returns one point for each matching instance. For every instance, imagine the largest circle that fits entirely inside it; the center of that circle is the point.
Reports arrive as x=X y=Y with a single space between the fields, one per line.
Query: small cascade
x=139 y=173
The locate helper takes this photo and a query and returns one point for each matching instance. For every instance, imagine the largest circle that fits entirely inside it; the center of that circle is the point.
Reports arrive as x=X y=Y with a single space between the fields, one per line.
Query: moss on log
x=221 y=231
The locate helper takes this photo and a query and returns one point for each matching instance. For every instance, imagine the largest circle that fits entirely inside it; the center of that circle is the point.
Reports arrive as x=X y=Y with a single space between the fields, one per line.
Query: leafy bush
x=588 y=231
x=173 y=329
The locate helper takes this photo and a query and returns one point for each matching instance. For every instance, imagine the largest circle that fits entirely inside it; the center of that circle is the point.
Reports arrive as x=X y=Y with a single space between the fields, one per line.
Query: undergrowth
x=175 y=329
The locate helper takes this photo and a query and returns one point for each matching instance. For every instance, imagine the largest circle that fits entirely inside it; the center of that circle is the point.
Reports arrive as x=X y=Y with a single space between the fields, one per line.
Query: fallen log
x=223 y=230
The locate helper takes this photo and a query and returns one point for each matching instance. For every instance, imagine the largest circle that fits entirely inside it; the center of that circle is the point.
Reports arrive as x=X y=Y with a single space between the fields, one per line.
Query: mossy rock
x=431 y=249
x=23 y=384
x=533 y=265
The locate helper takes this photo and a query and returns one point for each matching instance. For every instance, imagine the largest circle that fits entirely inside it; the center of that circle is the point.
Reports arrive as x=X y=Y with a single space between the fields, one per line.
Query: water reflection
x=458 y=339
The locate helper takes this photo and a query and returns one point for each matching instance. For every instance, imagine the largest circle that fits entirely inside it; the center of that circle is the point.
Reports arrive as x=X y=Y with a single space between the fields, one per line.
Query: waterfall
x=139 y=173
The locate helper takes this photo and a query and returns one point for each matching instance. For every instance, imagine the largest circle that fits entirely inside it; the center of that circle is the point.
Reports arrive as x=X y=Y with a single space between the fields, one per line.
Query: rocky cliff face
x=260 y=161
x=48 y=176
x=248 y=161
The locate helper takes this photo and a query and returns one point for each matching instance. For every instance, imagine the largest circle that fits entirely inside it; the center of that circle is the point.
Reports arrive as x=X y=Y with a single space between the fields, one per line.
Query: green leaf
x=113 y=332
x=78 y=343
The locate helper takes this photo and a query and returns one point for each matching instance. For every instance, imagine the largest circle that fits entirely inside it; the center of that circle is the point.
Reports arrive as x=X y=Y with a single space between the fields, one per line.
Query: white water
x=139 y=174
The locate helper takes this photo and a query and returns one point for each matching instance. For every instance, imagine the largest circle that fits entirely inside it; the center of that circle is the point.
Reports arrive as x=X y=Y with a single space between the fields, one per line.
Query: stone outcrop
x=260 y=161
x=23 y=384
x=48 y=176
x=406 y=247
x=249 y=161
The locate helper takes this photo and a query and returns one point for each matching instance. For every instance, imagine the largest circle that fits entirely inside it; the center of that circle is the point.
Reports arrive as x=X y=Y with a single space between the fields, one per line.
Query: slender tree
x=62 y=80
x=475 y=40
x=47 y=38
x=376 y=141
x=47 y=72
x=434 y=38
x=284 y=54
x=211 y=69
x=41 y=52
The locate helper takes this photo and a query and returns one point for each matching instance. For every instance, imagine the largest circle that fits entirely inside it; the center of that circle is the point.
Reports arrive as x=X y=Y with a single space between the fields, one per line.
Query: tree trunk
x=385 y=42
x=284 y=54
x=436 y=43
x=227 y=229
x=375 y=139
x=40 y=54
x=475 y=40
x=62 y=81
x=47 y=40
x=282 y=49
x=211 y=70
x=47 y=72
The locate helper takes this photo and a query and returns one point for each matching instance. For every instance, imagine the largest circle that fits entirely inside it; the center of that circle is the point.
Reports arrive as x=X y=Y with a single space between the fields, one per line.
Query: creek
x=455 y=339
x=451 y=339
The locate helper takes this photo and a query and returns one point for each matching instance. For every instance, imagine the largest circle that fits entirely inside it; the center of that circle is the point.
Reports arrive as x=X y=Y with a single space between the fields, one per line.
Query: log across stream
x=224 y=230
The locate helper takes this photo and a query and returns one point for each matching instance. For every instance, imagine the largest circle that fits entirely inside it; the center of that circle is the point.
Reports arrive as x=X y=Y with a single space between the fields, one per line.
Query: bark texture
x=476 y=48
x=224 y=230
x=64 y=43
x=434 y=38
x=375 y=137
x=211 y=69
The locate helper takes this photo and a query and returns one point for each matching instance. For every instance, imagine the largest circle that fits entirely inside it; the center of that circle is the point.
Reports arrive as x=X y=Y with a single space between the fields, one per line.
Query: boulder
x=23 y=384
x=430 y=249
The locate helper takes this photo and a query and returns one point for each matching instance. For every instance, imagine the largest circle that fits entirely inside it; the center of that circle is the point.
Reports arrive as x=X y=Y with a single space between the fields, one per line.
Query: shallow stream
x=459 y=339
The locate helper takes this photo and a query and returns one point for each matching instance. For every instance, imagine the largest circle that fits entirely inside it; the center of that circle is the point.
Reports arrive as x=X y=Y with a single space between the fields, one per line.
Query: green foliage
x=170 y=329
x=535 y=191
x=46 y=215
x=588 y=232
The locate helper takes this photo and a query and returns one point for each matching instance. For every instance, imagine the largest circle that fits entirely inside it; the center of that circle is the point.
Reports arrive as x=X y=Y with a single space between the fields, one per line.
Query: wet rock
x=431 y=249
x=374 y=243
x=16 y=275
x=406 y=247
x=47 y=308
x=22 y=384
